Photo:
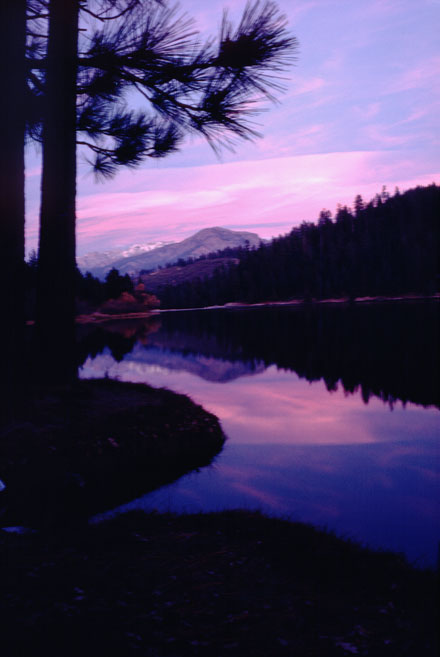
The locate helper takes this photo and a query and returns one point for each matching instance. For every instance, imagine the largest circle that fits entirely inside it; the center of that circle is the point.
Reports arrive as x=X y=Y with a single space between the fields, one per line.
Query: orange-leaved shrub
x=138 y=302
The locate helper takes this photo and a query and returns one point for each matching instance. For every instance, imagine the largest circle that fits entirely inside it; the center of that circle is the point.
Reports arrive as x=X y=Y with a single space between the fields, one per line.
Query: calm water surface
x=331 y=413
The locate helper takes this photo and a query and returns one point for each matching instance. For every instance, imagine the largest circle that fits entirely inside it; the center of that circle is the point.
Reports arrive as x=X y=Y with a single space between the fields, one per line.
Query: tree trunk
x=12 y=129
x=56 y=269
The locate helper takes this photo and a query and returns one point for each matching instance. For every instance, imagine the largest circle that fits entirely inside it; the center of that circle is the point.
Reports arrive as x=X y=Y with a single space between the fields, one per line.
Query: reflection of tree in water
x=118 y=336
x=386 y=350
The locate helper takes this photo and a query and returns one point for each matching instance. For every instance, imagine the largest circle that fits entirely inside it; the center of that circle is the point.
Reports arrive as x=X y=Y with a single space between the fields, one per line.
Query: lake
x=331 y=412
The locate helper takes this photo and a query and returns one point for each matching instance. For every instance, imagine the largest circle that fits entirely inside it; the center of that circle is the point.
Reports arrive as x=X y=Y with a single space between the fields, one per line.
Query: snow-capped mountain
x=133 y=260
x=98 y=259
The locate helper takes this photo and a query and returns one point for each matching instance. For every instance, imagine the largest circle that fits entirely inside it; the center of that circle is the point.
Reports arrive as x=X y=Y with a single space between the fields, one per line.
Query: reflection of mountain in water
x=206 y=367
x=174 y=351
x=388 y=350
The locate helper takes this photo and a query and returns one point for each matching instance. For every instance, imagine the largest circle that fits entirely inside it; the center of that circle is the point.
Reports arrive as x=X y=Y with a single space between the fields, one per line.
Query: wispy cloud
x=268 y=196
x=380 y=9
x=414 y=116
x=424 y=75
x=368 y=111
x=379 y=135
x=308 y=86
x=335 y=61
x=307 y=139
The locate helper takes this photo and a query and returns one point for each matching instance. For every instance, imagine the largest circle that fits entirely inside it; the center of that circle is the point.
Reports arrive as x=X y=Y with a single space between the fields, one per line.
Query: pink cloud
x=380 y=8
x=379 y=134
x=276 y=502
x=268 y=195
x=308 y=85
x=422 y=75
x=334 y=62
x=414 y=116
x=278 y=193
x=369 y=111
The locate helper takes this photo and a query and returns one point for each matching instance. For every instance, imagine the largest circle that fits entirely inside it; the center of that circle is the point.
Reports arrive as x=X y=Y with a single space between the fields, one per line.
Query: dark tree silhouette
x=144 y=47
x=115 y=284
x=56 y=271
x=12 y=129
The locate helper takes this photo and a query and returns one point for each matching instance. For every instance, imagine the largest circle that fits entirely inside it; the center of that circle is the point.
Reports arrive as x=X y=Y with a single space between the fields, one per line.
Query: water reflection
x=385 y=350
x=385 y=495
x=278 y=406
x=305 y=399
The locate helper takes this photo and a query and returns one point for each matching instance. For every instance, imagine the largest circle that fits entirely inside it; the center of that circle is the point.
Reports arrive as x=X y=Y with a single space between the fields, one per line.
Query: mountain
x=102 y=259
x=203 y=242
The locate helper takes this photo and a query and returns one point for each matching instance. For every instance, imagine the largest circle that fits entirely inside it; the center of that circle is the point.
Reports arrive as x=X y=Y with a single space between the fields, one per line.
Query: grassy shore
x=212 y=585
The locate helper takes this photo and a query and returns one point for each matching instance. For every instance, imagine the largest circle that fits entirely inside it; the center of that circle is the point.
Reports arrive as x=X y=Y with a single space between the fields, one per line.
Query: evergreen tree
x=188 y=87
x=57 y=263
x=358 y=205
x=12 y=130
x=115 y=284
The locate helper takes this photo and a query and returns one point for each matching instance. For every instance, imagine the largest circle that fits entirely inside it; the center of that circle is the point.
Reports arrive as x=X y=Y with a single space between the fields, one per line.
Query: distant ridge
x=207 y=240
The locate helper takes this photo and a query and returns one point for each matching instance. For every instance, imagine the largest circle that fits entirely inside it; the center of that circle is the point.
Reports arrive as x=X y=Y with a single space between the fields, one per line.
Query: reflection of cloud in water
x=98 y=366
x=275 y=502
x=276 y=406
x=393 y=506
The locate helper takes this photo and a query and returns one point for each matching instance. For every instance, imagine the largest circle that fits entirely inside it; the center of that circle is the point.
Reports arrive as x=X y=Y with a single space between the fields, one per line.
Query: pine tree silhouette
x=80 y=91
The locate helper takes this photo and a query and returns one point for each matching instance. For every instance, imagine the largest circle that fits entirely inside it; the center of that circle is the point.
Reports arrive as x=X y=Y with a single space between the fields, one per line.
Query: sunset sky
x=361 y=110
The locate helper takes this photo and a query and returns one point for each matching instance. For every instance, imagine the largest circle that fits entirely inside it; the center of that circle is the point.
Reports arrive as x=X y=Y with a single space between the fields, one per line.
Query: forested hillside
x=387 y=246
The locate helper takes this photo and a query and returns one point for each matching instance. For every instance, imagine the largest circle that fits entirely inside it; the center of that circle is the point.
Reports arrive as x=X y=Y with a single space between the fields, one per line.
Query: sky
x=361 y=109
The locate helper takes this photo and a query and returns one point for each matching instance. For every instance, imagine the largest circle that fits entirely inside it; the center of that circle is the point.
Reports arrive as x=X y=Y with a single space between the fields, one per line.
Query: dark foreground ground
x=219 y=584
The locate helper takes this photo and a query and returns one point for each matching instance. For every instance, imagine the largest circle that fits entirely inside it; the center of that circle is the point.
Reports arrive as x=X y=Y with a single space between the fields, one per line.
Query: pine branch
x=205 y=89
x=102 y=16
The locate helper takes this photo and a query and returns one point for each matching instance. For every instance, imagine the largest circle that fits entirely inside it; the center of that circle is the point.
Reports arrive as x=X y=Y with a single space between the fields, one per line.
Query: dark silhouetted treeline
x=385 y=247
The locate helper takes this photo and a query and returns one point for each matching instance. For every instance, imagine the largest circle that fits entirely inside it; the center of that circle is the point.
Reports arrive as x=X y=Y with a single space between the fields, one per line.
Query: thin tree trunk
x=12 y=129
x=56 y=270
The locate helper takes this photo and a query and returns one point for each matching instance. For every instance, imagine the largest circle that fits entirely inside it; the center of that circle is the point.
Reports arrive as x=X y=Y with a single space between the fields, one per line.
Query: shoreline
x=98 y=318
x=101 y=318
x=312 y=302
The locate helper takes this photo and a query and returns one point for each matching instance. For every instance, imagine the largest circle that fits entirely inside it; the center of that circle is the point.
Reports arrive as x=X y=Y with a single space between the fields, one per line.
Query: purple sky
x=361 y=110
